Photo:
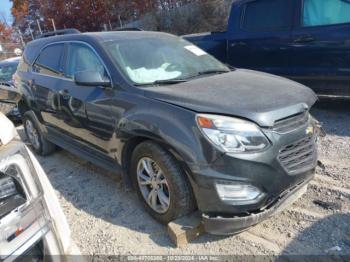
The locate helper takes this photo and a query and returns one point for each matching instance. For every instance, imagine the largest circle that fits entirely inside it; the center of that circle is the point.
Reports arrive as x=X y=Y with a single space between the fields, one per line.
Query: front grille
x=299 y=156
x=291 y=123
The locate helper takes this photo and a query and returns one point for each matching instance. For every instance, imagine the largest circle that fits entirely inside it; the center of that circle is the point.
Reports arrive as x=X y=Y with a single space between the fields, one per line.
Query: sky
x=5 y=8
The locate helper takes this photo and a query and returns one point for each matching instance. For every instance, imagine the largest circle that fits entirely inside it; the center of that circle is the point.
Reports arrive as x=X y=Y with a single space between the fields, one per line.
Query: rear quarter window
x=325 y=12
x=267 y=15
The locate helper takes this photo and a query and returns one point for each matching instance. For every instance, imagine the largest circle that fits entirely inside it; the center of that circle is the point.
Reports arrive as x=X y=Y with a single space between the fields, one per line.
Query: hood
x=259 y=97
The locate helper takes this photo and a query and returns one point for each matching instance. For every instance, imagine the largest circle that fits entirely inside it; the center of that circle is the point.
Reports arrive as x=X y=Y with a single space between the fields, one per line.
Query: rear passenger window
x=267 y=15
x=82 y=58
x=49 y=60
x=326 y=12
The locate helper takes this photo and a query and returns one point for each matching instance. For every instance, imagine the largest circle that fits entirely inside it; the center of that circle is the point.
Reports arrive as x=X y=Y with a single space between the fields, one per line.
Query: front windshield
x=152 y=60
x=6 y=72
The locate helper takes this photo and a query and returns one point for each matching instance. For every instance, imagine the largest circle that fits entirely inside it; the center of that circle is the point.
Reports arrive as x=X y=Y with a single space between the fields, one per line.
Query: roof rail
x=60 y=32
x=129 y=29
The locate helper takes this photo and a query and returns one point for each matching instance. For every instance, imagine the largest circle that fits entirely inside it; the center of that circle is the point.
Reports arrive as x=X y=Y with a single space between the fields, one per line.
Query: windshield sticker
x=195 y=50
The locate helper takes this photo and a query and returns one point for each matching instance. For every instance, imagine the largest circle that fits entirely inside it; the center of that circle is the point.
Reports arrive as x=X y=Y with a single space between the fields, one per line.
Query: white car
x=31 y=220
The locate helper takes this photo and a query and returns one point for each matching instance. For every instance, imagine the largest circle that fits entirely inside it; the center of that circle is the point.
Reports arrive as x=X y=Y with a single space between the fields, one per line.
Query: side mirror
x=91 y=78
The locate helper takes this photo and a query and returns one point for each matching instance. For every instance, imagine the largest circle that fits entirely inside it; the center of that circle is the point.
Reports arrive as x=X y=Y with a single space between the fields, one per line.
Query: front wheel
x=160 y=183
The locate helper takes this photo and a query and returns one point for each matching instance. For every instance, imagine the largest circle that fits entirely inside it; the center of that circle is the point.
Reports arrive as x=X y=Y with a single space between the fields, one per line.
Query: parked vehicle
x=304 y=40
x=7 y=69
x=188 y=132
x=32 y=224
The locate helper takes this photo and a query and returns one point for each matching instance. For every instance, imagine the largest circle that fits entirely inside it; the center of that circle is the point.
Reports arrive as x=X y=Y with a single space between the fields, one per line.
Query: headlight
x=238 y=193
x=232 y=135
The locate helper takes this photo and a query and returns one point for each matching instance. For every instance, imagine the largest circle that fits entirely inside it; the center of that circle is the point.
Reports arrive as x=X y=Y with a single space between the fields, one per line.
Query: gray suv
x=186 y=130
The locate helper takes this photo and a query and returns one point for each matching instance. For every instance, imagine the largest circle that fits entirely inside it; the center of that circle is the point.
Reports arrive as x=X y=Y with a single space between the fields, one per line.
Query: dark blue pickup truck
x=305 y=40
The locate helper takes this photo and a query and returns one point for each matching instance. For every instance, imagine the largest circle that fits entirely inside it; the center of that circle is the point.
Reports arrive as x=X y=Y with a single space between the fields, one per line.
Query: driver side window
x=81 y=58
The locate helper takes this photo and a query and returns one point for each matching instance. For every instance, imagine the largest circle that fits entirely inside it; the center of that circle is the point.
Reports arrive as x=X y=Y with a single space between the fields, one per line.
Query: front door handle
x=304 y=39
x=235 y=44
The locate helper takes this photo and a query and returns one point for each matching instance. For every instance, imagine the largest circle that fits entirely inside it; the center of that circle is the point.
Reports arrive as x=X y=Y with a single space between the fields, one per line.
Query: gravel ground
x=106 y=219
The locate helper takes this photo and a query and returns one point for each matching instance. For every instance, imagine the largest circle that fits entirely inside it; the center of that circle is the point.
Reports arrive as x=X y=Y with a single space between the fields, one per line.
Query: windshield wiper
x=169 y=81
x=209 y=72
x=160 y=82
x=182 y=80
x=164 y=82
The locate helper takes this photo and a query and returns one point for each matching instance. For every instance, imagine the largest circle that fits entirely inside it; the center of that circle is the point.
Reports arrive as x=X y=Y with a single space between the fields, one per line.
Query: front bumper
x=281 y=172
x=219 y=225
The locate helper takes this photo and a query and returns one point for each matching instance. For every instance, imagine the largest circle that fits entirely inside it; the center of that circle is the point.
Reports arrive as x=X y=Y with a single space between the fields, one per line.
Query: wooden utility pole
x=37 y=21
x=120 y=21
x=21 y=38
x=110 y=25
x=30 y=31
x=53 y=24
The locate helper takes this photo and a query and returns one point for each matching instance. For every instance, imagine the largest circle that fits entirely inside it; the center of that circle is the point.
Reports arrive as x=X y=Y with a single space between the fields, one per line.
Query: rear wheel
x=39 y=144
x=160 y=182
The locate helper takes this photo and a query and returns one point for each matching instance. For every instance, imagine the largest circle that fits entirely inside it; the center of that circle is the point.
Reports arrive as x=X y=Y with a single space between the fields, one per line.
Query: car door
x=321 y=54
x=84 y=110
x=45 y=83
x=261 y=39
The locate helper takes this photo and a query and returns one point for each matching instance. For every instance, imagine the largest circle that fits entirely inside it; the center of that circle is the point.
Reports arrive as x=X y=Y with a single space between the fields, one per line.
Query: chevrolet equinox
x=186 y=130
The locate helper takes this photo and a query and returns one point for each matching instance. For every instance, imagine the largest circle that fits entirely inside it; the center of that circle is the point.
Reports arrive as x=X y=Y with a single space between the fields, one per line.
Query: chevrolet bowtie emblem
x=310 y=130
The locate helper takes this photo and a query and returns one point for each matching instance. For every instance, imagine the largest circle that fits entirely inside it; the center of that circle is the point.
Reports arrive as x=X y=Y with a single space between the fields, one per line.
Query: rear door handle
x=304 y=39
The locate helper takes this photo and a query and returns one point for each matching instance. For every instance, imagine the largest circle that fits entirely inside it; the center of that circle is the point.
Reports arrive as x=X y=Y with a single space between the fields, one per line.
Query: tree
x=88 y=15
x=7 y=40
x=85 y=15
x=25 y=14
x=5 y=32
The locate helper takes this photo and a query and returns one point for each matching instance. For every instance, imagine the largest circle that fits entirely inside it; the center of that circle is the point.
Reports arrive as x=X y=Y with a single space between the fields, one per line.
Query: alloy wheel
x=153 y=185
x=32 y=134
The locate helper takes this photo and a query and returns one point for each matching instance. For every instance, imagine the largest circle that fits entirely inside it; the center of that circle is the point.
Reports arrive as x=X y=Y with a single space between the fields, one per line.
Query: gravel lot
x=105 y=219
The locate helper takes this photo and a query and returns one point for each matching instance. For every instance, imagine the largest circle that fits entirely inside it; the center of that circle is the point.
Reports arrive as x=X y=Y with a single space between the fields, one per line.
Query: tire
x=168 y=177
x=39 y=144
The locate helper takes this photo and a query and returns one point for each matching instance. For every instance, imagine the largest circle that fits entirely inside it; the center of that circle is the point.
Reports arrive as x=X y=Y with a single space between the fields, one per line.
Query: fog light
x=239 y=194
